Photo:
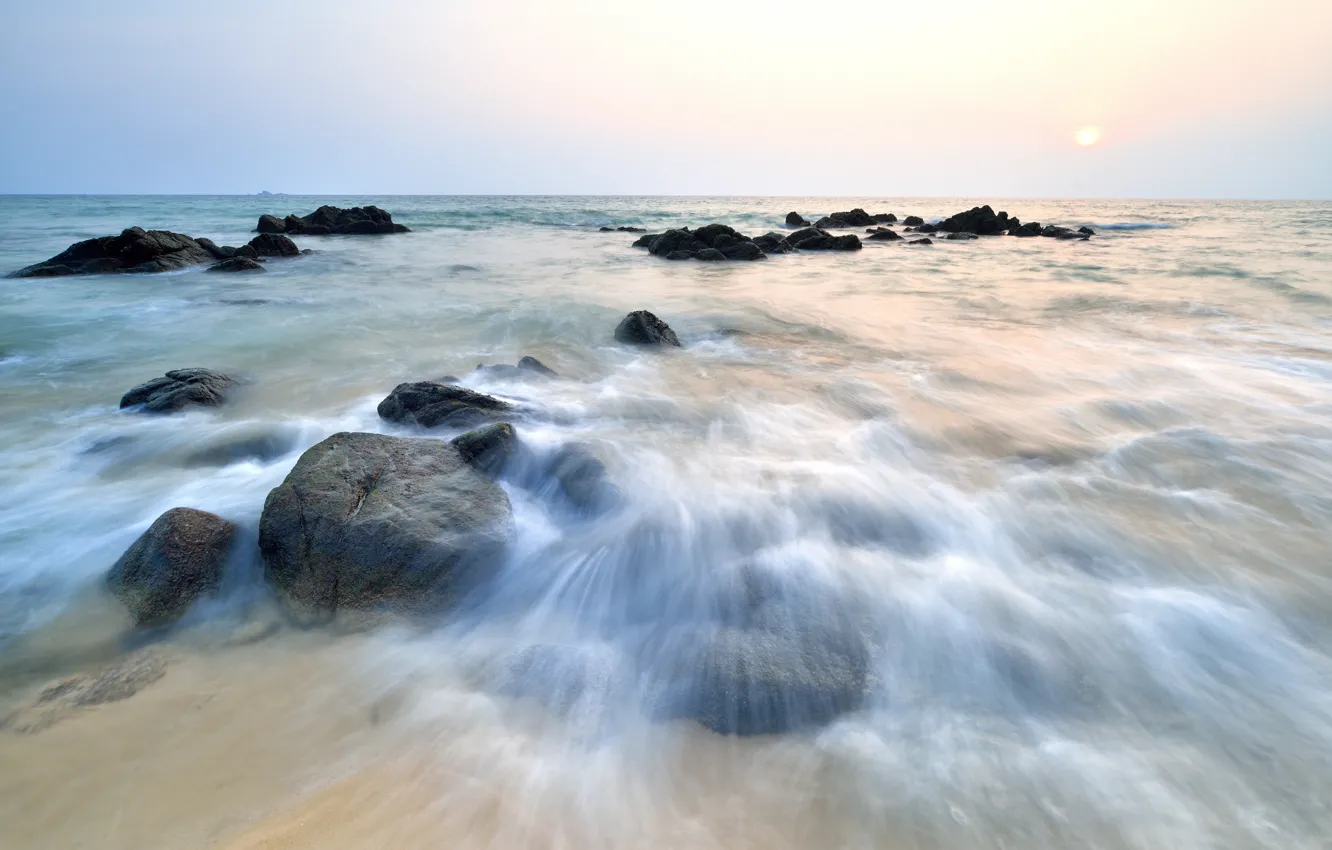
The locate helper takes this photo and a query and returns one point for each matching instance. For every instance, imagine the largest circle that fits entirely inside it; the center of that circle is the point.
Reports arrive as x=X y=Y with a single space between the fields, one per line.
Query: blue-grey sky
x=1136 y=98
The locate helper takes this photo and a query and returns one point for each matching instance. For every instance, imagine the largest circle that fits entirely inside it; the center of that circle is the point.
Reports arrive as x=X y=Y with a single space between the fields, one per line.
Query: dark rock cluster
x=333 y=221
x=139 y=251
x=854 y=218
x=710 y=243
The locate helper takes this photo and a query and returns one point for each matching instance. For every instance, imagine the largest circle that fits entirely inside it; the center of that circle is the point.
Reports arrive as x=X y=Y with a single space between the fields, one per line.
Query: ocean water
x=1081 y=492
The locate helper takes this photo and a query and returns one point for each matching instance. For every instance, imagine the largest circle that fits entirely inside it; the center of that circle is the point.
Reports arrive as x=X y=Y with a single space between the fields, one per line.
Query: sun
x=1087 y=136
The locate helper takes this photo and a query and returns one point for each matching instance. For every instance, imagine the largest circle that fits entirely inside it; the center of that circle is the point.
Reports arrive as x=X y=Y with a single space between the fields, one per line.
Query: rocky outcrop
x=913 y=221
x=795 y=219
x=178 y=559
x=430 y=404
x=134 y=251
x=333 y=221
x=883 y=234
x=1031 y=228
x=814 y=239
x=370 y=522
x=273 y=245
x=854 y=218
x=711 y=242
x=237 y=264
x=178 y=389
x=982 y=221
x=643 y=328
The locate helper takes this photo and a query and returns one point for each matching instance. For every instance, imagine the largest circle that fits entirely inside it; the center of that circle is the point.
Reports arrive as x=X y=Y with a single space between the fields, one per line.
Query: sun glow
x=1087 y=136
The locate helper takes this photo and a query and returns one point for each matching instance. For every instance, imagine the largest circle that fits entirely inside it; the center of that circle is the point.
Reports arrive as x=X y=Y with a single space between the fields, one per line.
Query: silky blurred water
x=1082 y=491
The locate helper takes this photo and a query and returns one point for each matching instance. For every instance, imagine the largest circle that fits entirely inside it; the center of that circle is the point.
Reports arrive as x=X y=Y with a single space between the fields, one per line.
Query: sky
x=1123 y=98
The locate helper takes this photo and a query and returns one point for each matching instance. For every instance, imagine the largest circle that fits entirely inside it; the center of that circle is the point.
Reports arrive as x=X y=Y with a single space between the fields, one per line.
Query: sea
x=1081 y=492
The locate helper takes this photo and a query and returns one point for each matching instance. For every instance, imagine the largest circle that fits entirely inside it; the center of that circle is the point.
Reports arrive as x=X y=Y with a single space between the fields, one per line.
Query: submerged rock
x=795 y=219
x=1056 y=232
x=913 y=221
x=273 y=245
x=927 y=228
x=643 y=328
x=329 y=220
x=370 y=522
x=961 y=237
x=854 y=218
x=134 y=251
x=178 y=559
x=1087 y=231
x=571 y=475
x=237 y=264
x=814 y=239
x=922 y=241
x=433 y=405
x=526 y=368
x=623 y=229
x=711 y=242
x=179 y=389
x=69 y=696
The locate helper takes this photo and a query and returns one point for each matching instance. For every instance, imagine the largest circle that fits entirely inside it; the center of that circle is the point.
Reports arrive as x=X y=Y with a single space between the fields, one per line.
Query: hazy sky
x=1190 y=98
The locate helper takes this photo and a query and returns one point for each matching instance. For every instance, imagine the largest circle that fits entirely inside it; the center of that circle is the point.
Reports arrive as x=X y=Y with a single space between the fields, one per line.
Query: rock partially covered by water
x=623 y=229
x=134 y=251
x=570 y=475
x=854 y=218
x=795 y=219
x=961 y=237
x=1031 y=228
x=329 y=220
x=73 y=694
x=982 y=221
x=273 y=245
x=711 y=242
x=1054 y=231
x=237 y=264
x=178 y=559
x=773 y=243
x=883 y=234
x=922 y=241
x=490 y=449
x=431 y=404
x=913 y=221
x=643 y=328
x=179 y=389
x=526 y=368
x=370 y=522
x=815 y=239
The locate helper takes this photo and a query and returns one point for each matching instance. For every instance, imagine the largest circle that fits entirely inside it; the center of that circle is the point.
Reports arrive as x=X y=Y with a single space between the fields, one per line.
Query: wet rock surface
x=177 y=560
x=431 y=404
x=134 y=251
x=333 y=221
x=178 y=389
x=643 y=328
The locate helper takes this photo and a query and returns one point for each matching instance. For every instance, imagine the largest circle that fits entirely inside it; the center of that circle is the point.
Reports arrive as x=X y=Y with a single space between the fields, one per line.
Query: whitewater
x=1078 y=493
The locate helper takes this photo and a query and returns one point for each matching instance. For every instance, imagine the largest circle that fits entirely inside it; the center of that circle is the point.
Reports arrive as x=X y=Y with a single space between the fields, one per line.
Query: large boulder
x=815 y=239
x=274 y=245
x=854 y=218
x=711 y=242
x=134 y=251
x=643 y=328
x=329 y=220
x=368 y=522
x=795 y=219
x=431 y=404
x=178 y=559
x=982 y=221
x=178 y=389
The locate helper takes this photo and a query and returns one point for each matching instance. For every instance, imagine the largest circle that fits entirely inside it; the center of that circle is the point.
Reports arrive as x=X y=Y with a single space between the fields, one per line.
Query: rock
x=581 y=479
x=1086 y=230
x=982 y=221
x=623 y=229
x=963 y=237
x=328 y=220
x=773 y=243
x=814 y=239
x=531 y=364
x=273 y=245
x=883 y=234
x=489 y=449
x=134 y=251
x=526 y=368
x=795 y=219
x=271 y=224
x=1054 y=231
x=913 y=221
x=68 y=696
x=178 y=559
x=434 y=405
x=643 y=328
x=853 y=218
x=1031 y=228
x=370 y=522
x=924 y=241
x=178 y=389
x=249 y=443
x=237 y=264
x=219 y=252
x=927 y=228
x=711 y=242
